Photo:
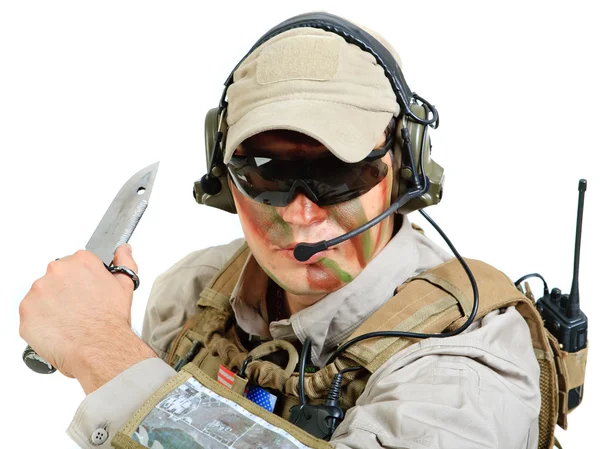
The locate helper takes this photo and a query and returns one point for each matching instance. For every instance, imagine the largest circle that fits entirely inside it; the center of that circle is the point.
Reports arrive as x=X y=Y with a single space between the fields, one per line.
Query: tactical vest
x=437 y=300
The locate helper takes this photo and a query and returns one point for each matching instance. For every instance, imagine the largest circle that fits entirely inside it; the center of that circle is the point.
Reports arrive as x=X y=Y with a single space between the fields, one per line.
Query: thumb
x=124 y=258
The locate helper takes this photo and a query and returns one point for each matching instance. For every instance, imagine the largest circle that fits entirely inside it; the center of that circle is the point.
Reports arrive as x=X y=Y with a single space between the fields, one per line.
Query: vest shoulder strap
x=433 y=301
x=217 y=293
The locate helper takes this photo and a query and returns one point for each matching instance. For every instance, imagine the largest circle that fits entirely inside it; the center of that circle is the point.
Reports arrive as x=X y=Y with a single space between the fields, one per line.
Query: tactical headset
x=413 y=166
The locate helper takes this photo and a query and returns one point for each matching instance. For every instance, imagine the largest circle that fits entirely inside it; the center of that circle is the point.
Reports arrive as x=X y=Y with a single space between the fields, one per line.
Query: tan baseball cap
x=314 y=82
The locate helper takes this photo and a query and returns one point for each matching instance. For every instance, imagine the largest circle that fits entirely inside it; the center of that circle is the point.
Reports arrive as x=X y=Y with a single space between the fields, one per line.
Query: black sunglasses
x=324 y=180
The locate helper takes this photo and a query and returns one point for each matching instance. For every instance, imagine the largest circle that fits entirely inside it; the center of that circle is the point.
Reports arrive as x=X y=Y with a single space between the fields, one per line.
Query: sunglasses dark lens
x=344 y=182
x=261 y=179
x=329 y=180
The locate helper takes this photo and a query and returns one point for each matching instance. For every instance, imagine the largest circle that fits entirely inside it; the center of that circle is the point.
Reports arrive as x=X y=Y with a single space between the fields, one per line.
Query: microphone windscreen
x=304 y=251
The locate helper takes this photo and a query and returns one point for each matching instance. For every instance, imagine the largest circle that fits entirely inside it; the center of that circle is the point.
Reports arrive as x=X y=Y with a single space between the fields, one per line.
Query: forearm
x=105 y=359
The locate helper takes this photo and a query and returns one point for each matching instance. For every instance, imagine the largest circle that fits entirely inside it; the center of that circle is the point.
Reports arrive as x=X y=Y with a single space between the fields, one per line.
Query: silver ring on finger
x=128 y=271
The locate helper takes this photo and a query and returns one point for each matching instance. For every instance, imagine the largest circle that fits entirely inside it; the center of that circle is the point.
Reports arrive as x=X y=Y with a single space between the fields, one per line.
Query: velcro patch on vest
x=230 y=380
x=262 y=397
x=255 y=394
x=225 y=377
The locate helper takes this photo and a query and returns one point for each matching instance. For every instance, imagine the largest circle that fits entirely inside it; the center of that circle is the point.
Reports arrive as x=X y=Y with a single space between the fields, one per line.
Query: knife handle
x=35 y=362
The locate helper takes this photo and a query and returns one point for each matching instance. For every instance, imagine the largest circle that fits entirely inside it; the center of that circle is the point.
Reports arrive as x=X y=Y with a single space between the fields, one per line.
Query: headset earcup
x=213 y=189
x=433 y=171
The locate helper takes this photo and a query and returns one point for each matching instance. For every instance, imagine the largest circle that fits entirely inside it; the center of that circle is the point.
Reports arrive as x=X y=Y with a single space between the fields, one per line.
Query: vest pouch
x=576 y=363
x=570 y=372
x=192 y=407
x=573 y=364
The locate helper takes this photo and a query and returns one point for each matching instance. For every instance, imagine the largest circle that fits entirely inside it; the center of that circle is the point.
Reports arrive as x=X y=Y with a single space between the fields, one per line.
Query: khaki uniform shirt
x=478 y=389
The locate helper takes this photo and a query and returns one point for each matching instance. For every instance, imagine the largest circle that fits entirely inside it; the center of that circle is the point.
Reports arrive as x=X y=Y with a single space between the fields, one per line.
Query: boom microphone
x=304 y=251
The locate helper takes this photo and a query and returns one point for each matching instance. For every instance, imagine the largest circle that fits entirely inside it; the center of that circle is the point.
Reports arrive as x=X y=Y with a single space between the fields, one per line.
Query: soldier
x=313 y=142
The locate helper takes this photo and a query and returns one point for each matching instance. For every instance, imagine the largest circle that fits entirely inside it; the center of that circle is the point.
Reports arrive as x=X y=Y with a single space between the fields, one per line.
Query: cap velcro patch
x=299 y=57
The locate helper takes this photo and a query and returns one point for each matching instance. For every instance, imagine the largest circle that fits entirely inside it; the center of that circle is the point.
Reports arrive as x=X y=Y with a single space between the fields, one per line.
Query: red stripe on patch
x=225 y=377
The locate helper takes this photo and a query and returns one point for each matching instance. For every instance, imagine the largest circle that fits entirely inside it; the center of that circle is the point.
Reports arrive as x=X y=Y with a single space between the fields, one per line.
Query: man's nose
x=302 y=211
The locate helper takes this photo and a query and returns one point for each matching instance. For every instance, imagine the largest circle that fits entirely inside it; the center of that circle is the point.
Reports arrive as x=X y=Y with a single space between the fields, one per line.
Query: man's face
x=272 y=232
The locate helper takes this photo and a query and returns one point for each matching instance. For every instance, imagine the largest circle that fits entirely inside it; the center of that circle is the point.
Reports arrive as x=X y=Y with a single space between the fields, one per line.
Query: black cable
x=536 y=275
x=457 y=331
x=189 y=356
x=335 y=387
x=302 y=366
x=352 y=368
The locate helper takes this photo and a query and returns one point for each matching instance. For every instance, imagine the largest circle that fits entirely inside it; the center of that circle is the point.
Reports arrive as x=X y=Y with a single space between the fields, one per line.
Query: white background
x=92 y=92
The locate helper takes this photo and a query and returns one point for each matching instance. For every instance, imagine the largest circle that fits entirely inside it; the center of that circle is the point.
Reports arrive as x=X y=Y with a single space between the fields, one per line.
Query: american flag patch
x=256 y=394
x=262 y=397
x=225 y=377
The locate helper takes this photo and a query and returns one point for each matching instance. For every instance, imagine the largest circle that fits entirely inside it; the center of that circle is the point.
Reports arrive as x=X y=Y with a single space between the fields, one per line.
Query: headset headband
x=353 y=35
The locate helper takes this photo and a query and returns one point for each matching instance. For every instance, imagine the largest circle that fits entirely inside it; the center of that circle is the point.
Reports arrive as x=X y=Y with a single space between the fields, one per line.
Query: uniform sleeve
x=106 y=410
x=171 y=302
x=479 y=389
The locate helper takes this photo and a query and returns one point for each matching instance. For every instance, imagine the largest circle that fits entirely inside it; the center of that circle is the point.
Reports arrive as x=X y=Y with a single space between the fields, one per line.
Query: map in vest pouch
x=194 y=417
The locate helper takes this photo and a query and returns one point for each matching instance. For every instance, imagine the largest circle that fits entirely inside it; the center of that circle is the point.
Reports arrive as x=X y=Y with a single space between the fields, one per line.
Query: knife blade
x=115 y=228
x=123 y=215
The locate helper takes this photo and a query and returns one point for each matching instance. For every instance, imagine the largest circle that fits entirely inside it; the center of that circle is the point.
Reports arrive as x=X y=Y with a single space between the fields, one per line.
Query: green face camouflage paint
x=321 y=278
x=333 y=267
x=350 y=215
x=264 y=221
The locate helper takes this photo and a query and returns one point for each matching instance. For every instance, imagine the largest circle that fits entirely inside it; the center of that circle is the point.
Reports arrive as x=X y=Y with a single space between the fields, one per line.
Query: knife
x=115 y=228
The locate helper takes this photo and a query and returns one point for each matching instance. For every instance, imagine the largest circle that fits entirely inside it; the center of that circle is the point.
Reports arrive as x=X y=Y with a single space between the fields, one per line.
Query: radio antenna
x=573 y=301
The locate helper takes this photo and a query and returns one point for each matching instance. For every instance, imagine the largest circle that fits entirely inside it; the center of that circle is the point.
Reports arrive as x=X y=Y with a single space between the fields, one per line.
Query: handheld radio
x=561 y=312
x=565 y=321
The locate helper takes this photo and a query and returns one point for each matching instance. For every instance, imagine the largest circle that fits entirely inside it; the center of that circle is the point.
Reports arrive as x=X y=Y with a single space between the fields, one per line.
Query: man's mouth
x=288 y=252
